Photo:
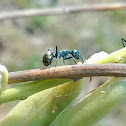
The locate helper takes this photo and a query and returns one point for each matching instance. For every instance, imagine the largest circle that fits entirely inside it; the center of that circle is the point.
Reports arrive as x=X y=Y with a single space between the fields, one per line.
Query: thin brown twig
x=70 y=72
x=62 y=10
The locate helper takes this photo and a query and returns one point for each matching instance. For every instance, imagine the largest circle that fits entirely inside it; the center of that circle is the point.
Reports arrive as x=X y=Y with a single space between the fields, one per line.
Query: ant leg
x=74 y=60
x=66 y=58
x=70 y=58
x=70 y=61
x=49 y=67
x=41 y=67
x=56 y=61
x=58 y=56
x=123 y=40
x=63 y=61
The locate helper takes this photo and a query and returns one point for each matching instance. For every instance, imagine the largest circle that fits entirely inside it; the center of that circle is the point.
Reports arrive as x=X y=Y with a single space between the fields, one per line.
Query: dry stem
x=70 y=72
x=61 y=10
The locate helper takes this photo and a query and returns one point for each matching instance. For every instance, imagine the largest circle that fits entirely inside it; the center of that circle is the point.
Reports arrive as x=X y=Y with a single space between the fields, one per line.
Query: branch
x=69 y=72
x=61 y=10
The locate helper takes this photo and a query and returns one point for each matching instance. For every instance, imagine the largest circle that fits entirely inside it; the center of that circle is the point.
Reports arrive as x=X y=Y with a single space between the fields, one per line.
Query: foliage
x=49 y=104
x=89 y=32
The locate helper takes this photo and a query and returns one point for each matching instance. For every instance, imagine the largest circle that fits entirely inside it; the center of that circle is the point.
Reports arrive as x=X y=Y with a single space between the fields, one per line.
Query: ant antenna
x=123 y=40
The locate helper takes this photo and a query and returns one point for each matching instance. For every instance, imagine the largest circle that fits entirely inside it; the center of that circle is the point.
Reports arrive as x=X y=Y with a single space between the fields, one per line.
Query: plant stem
x=69 y=72
x=62 y=10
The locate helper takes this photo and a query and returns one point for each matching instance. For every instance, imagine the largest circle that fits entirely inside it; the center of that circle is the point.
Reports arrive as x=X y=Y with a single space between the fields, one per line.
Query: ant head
x=75 y=54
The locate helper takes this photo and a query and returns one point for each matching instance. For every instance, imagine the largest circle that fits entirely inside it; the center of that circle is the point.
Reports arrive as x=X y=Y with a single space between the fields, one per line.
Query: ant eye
x=75 y=52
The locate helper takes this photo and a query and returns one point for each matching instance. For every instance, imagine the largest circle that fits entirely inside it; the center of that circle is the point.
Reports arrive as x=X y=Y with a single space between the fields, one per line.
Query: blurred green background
x=24 y=41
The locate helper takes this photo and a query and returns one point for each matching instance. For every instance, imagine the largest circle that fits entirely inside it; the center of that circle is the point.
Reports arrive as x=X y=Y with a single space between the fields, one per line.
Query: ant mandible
x=65 y=54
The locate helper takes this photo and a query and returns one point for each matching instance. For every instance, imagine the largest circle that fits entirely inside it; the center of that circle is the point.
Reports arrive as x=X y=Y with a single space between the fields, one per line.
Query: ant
x=123 y=40
x=65 y=54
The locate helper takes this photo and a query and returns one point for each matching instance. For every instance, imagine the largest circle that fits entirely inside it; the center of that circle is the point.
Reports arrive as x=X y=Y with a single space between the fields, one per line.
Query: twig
x=62 y=10
x=70 y=72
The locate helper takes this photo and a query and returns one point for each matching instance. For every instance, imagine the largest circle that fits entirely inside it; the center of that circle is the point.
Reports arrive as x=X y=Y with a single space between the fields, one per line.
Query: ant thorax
x=64 y=53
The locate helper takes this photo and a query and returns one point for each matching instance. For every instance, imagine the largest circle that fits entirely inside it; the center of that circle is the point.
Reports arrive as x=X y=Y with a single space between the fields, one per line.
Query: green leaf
x=94 y=105
x=118 y=56
x=43 y=107
x=23 y=91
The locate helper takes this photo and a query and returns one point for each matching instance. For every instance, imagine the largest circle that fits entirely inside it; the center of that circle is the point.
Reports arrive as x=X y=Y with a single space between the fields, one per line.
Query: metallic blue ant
x=123 y=40
x=65 y=54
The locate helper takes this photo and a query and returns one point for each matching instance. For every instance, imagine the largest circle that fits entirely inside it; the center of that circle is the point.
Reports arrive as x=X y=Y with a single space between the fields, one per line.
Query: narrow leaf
x=23 y=91
x=94 y=105
x=43 y=107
